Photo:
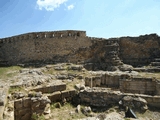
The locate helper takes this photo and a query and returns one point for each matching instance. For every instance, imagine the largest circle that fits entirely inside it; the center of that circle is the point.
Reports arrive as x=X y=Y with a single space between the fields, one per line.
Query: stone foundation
x=103 y=97
x=124 y=82
x=50 y=88
x=25 y=108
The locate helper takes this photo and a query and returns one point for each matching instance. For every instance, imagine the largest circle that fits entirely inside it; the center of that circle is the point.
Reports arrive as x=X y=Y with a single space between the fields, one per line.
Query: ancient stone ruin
x=76 y=47
x=109 y=72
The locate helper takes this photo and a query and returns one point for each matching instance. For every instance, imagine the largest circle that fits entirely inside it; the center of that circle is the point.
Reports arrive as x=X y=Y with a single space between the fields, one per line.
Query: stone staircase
x=155 y=65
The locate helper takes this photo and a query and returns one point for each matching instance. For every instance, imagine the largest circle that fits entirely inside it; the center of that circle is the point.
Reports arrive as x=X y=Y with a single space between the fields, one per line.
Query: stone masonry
x=76 y=47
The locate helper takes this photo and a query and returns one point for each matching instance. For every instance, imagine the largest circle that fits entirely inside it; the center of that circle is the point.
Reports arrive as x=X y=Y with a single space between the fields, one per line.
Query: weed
x=7 y=72
x=37 y=117
x=153 y=75
x=15 y=89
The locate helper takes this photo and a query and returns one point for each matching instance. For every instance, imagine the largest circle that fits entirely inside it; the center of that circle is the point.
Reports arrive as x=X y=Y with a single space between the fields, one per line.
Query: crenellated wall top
x=46 y=34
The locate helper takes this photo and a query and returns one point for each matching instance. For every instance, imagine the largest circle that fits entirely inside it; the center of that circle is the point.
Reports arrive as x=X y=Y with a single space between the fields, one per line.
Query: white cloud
x=49 y=5
x=70 y=7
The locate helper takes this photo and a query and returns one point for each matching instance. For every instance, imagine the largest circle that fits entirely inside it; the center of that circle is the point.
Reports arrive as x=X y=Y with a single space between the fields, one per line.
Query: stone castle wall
x=54 y=46
x=75 y=46
x=139 y=51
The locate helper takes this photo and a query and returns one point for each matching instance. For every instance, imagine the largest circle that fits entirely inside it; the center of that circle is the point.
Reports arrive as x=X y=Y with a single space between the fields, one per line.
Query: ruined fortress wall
x=75 y=46
x=42 y=46
x=139 y=51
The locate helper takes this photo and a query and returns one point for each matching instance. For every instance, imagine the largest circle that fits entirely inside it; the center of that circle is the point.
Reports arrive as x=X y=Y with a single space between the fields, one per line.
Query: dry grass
x=66 y=112
x=8 y=72
x=153 y=75
x=149 y=115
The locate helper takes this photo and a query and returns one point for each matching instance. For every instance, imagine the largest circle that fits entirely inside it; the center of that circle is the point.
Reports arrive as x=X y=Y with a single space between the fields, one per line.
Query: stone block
x=96 y=81
x=51 y=88
x=35 y=105
x=60 y=87
x=158 y=89
x=18 y=104
x=1 y=112
x=65 y=94
x=156 y=99
x=16 y=112
x=26 y=102
x=27 y=116
x=24 y=111
x=3 y=96
x=54 y=97
x=72 y=92
x=103 y=79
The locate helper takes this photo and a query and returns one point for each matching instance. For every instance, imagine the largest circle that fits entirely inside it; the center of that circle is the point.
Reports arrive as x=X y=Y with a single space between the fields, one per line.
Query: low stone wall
x=139 y=85
x=105 y=79
x=102 y=97
x=24 y=109
x=50 y=88
x=125 y=83
x=59 y=96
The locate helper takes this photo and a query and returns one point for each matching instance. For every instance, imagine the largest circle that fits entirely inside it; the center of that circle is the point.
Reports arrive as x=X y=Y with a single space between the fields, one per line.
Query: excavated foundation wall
x=140 y=86
x=103 y=97
x=125 y=83
x=24 y=109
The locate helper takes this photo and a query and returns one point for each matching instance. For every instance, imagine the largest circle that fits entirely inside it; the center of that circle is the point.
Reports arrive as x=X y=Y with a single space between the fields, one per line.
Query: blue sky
x=100 y=18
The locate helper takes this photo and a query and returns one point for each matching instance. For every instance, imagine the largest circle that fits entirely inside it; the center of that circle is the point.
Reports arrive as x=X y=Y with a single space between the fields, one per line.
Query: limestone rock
x=75 y=67
x=80 y=87
x=47 y=109
x=62 y=76
x=18 y=95
x=40 y=105
x=86 y=111
x=78 y=109
x=58 y=105
x=8 y=113
x=135 y=102
x=59 y=67
x=34 y=94
x=126 y=67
